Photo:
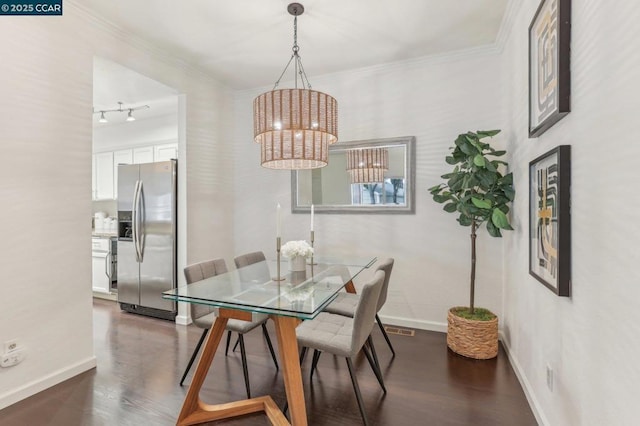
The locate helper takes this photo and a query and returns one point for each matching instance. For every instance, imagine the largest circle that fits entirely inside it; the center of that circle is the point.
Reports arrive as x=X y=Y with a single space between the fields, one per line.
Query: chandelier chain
x=298 y=68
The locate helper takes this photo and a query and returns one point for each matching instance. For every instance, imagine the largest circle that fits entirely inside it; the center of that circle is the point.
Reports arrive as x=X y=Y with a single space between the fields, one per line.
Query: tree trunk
x=473 y=265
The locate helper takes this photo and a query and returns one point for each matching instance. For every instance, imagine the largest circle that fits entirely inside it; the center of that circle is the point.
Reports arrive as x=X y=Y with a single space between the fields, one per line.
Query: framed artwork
x=550 y=219
x=549 y=72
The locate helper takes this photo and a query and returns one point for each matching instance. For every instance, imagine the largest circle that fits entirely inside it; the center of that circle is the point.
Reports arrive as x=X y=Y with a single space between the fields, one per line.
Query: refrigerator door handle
x=134 y=222
x=141 y=223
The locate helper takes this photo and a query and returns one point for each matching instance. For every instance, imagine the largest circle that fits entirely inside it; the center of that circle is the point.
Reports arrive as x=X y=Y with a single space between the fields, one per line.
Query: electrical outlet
x=10 y=346
x=12 y=358
x=550 y=377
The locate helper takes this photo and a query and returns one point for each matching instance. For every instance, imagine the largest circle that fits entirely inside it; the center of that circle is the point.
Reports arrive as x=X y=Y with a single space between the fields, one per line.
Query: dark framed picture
x=550 y=219
x=549 y=71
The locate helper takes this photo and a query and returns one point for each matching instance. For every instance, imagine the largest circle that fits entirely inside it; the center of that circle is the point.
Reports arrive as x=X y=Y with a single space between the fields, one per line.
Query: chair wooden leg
x=375 y=367
x=314 y=364
x=384 y=333
x=193 y=356
x=356 y=388
x=226 y=349
x=268 y=339
x=243 y=354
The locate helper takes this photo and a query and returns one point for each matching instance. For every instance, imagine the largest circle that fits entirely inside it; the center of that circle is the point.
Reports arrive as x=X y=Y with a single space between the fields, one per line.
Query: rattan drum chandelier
x=367 y=165
x=295 y=126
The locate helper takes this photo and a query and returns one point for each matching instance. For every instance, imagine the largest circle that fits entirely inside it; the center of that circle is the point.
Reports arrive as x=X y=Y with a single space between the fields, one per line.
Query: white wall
x=45 y=128
x=45 y=132
x=433 y=99
x=150 y=131
x=590 y=339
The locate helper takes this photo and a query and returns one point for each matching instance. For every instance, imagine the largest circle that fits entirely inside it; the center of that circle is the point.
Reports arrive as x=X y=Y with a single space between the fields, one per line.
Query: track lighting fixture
x=129 y=112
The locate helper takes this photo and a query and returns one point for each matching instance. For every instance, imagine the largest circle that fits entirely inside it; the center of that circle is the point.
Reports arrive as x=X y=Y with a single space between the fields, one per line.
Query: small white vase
x=297 y=263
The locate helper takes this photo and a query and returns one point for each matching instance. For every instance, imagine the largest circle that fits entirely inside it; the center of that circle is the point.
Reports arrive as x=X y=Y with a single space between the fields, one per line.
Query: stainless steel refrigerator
x=147 y=237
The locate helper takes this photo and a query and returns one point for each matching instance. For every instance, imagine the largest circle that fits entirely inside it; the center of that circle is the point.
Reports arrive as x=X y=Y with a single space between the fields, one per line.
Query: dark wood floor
x=140 y=361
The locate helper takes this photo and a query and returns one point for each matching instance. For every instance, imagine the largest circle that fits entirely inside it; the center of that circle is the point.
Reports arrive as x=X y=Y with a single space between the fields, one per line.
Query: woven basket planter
x=473 y=339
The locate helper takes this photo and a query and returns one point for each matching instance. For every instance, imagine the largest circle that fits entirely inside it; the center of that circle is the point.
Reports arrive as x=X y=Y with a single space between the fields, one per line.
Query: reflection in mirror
x=371 y=176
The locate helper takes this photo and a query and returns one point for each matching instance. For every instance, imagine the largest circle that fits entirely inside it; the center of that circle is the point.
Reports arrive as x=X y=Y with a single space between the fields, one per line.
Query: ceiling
x=247 y=44
x=113 y=83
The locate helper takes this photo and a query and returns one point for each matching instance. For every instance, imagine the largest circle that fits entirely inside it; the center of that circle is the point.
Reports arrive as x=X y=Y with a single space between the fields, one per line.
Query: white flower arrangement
x=297 y=248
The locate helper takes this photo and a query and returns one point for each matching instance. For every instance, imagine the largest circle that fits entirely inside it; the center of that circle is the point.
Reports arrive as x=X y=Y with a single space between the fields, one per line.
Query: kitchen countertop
x=103 y=234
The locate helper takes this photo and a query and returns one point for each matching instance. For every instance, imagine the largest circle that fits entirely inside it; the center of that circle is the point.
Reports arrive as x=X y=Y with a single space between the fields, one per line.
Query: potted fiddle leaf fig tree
x=478 y=192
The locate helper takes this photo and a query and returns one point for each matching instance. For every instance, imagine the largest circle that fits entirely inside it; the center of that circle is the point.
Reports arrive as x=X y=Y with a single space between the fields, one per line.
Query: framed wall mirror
x=369 y=176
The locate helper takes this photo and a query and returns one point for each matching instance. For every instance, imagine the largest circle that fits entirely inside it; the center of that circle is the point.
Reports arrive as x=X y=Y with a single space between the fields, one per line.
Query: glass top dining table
x=252 y=293
x=254 y=288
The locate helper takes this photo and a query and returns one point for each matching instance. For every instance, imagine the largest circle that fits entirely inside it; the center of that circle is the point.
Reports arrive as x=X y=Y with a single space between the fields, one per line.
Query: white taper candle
x=278 y=220
x=312 y=217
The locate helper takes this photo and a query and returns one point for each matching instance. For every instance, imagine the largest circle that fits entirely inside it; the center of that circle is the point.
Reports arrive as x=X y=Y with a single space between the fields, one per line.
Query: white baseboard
x=46 y=382
x=412 y=323
x=526 y=386
x=183 y=320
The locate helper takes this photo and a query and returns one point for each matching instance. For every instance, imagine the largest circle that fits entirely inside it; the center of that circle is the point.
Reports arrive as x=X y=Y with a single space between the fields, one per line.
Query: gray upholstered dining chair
x=344 y=336
x=203 y=316
x=249 y=259
x=346 y=303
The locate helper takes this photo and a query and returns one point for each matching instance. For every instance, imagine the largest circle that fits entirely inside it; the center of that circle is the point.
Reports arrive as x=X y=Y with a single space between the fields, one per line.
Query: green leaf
x=493 y=231
x=478 y=160
x=465 y=146
x=510 y=193
x=500 y=219
x=473 y=140
x=456 y=183
x=460 y=140
x=487 y=178
x=485 y=133
x=450 y=208
x=491 y=166
x=483 y=204
x=498 y=153
x=451 y=160
x=507 y=179
x=440 y=198
x=464 y=220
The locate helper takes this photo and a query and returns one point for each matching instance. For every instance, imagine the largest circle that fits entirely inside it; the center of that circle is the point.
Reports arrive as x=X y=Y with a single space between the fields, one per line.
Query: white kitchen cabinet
x=165 y=152
x=103 y=168
x=123 y=156
x=104 y=173
x=101 y=265
x=143 y=154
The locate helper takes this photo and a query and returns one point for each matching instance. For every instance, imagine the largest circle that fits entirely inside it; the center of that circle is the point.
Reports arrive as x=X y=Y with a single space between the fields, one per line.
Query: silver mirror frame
x=408 y=142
